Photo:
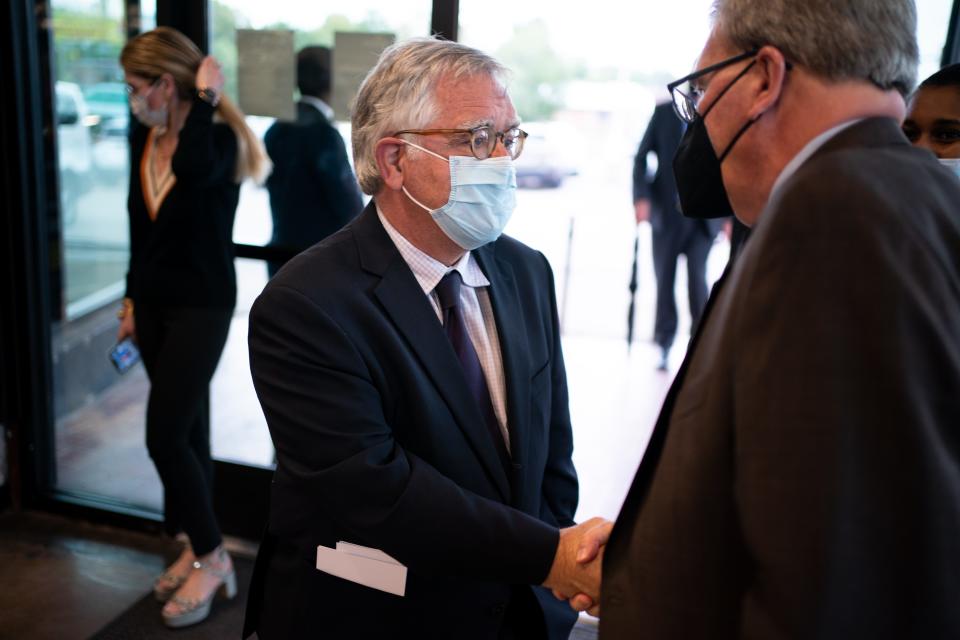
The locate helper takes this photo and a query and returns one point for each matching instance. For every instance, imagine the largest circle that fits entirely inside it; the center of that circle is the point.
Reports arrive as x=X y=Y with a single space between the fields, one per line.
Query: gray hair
x=873 y=40
x=399 y=93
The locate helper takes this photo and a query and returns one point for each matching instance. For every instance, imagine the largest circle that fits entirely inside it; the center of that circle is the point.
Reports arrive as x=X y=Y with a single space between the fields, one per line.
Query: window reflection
x=99 y=413
x=238 y=429
x=92 y=119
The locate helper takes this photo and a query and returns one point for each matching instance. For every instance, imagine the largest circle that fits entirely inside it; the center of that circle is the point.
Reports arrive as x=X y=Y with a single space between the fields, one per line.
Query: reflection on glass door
x=585 y=93
x=99 y=413
x=238 y=429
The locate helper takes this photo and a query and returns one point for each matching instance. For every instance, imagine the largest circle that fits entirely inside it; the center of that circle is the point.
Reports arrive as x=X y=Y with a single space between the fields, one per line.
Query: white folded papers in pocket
x=363 y=565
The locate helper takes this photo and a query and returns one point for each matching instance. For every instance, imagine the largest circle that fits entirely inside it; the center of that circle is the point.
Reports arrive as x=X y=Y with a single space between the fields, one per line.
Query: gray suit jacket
x=803 y=479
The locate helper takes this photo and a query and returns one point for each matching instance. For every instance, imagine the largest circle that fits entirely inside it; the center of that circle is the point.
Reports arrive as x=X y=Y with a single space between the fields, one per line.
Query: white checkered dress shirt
x=477 y=312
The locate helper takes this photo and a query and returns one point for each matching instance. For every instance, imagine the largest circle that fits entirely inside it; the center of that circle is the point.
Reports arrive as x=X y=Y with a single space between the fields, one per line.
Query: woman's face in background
x=933 y=120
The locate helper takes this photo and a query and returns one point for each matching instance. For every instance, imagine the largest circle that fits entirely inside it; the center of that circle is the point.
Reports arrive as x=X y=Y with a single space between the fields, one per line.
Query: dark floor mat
x=142 y=621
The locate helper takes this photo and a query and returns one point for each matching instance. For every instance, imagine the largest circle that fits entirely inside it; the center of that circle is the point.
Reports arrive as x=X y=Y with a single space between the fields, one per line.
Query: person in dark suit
x=802 y=478
x=312 y=190
x=655 y=201
x=412 y=377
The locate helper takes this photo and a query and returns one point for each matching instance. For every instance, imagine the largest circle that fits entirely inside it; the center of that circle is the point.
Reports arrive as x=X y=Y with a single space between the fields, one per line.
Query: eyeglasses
x=685 y=101
x=482 y=139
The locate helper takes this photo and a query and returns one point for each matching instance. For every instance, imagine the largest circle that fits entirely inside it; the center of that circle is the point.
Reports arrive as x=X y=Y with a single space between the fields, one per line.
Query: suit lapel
x=648 y=465
x=505 y=301
x=408 y=308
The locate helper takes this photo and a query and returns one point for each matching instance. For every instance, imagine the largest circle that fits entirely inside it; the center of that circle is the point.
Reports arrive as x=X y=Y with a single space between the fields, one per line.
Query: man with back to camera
x=313 y=192
x=655 y=201
x=803 y=479
x=411 y=374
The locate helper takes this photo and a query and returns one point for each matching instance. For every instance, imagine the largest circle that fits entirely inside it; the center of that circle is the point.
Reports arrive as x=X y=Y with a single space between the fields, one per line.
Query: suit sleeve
x=560 y=485
x=846 y=465
x=338 y=184
x=206 y=153
x=137 y=232
x=641 y=183
x=327 y=422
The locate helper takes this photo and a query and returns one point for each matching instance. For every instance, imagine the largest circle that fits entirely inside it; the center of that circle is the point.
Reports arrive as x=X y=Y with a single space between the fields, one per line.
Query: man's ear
x=388 y=153
x=773 y=67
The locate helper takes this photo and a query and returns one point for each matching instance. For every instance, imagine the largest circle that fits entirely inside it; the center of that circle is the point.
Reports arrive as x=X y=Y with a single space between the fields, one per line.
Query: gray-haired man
x=803 y=479
x=411 y=374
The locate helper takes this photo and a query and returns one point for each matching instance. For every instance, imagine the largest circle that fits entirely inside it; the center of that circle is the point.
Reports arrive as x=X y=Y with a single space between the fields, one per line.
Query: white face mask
x=953 y=164
x=142 y=111
x=482 y=199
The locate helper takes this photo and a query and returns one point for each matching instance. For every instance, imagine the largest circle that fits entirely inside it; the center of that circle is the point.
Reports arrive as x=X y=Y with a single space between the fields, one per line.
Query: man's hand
x=641 y=209
x=569 y=575
x=591 y=551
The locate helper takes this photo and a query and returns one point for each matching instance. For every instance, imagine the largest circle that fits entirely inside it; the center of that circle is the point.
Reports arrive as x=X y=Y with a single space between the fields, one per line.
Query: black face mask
x=697 y=168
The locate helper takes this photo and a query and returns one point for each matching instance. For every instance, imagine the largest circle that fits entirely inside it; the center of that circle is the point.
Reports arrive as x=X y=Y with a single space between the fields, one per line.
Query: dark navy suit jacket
x=380 y=443
x=313 y=191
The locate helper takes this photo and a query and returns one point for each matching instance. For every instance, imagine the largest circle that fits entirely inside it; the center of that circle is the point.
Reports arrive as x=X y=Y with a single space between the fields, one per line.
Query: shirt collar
x=811 y=147
x=319 y=105
x=428 y=270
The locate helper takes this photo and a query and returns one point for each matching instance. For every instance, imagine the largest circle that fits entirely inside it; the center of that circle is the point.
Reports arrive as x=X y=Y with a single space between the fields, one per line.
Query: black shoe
x=664 y=359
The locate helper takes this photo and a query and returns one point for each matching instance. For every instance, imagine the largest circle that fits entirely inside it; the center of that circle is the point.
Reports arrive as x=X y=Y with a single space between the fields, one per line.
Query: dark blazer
x=662 y=138
x=313 y=191
x=379 y=443
x=803 y=479
x=184 y=258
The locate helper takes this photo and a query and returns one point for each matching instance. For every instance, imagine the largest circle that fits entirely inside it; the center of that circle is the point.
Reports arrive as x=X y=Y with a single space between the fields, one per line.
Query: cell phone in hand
x=124 y=355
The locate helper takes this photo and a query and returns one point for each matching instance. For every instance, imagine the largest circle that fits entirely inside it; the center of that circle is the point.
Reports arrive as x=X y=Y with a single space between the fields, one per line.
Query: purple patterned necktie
x=448 y=291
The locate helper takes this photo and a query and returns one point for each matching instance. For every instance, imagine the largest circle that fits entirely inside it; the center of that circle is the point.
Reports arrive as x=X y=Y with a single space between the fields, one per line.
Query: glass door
x=585 y=85
x=585 y=92
x=100 y=453
x=99 y=443
x=240 y=440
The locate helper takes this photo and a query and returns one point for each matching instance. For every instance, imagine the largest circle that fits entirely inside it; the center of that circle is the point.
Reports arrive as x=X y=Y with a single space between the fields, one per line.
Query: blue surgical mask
x=482 y=199
x=953 y=164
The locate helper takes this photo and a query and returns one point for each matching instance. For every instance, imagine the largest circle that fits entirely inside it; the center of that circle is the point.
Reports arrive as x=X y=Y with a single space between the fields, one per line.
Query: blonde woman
x=190 y=150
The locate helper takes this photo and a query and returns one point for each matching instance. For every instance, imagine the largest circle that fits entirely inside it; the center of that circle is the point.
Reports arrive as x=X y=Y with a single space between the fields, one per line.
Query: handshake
x=576 y=572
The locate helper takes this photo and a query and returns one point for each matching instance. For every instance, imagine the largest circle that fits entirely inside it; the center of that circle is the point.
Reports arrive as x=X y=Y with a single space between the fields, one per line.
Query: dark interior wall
x=24 y=250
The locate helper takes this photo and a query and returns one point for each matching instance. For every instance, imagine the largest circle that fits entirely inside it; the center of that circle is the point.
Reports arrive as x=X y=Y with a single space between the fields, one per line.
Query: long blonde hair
x=166 y=50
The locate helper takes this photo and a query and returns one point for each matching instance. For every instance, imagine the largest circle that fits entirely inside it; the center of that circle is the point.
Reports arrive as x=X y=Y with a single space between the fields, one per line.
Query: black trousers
x=691 y=241
x=180 y=349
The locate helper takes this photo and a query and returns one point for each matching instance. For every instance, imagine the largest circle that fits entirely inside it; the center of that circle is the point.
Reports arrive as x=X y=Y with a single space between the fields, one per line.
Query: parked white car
x=74 y=146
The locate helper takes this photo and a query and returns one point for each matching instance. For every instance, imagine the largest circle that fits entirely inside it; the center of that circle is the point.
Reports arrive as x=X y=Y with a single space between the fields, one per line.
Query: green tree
x=539 y=74
x=86 y=46
x=223 y=46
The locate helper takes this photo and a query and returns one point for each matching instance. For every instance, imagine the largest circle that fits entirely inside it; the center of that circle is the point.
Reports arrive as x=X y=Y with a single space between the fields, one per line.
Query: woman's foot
x=191 y=603
x=176 y=574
